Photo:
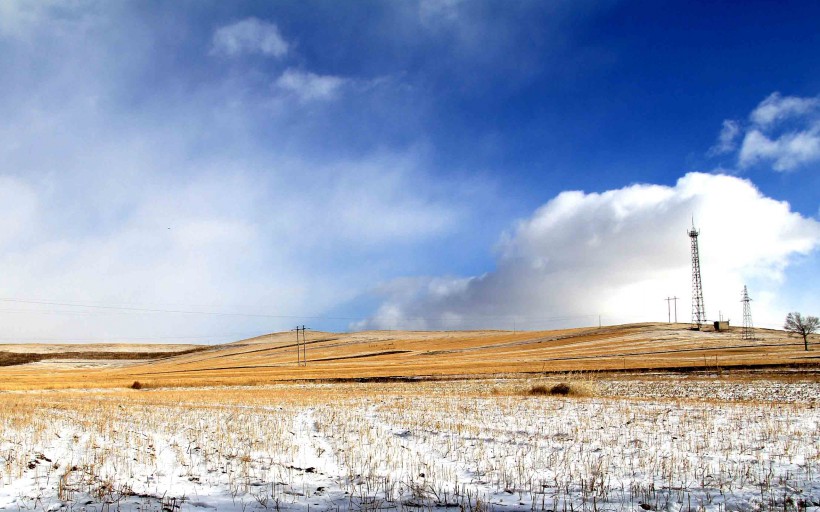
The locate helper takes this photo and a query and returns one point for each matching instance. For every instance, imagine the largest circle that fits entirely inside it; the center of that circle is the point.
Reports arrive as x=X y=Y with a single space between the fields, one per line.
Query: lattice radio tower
x=698 y=311
x=748 y=328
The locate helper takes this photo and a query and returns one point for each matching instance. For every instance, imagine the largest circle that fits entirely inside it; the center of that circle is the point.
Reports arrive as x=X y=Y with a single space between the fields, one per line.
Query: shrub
x=539 y=389
x=136 y=385
x=563 y=389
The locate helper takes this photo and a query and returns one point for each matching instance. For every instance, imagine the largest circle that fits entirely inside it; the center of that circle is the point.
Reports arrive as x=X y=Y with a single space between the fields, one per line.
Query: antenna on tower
x=698 y=311
x=748 y=328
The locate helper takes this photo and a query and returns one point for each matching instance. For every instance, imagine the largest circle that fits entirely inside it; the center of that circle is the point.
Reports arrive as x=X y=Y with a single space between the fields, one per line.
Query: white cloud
x=786 y=152
x=727 y=140
x=777 y=108
x=618 y=254
x=369 y=201
x=310 y=86
x=250 y=35
x=119 y=191
x=292 y=244
x=783 y=131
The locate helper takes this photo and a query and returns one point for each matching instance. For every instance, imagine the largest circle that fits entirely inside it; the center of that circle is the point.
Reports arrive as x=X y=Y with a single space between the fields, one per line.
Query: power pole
x=748 y=328
x=669 y=300
x=301 y=346
x=298 y=348
x=698 y=311
x=675 y=299
x=304 y=346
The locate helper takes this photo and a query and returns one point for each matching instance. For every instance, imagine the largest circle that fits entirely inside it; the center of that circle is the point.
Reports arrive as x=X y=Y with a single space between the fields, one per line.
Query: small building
x=722 y=325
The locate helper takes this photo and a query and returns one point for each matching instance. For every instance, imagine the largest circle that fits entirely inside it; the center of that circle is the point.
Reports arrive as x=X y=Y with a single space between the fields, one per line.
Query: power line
x=253 y=315
x=132 y=338
x=173 y=311
x=474 y=321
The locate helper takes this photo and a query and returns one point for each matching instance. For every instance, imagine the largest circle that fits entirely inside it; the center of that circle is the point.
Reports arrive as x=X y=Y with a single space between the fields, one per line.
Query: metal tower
x=748 y=329
x=698 y=311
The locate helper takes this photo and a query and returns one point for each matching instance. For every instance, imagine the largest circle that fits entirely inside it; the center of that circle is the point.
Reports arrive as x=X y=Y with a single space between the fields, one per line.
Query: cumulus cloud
x=617 y=254
x=250 y=35
x=783 y=131
x=309 y=86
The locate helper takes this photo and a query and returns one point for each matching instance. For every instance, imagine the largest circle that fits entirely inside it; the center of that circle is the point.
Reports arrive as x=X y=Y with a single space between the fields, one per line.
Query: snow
x=404 y=448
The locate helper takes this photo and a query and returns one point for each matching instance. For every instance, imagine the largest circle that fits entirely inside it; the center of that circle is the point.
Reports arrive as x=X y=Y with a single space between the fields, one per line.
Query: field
x=742 y=434
x=413 y=355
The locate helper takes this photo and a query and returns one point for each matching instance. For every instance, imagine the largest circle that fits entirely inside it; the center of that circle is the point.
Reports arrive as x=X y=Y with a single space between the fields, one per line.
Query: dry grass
x=572 y=384
x=664 y=453
x=434 y=355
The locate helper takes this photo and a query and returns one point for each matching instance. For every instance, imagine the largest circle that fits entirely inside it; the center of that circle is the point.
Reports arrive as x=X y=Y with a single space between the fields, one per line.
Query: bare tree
x=798 y=324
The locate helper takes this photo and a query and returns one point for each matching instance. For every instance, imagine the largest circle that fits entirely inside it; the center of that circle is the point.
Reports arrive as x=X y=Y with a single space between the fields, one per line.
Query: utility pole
x=304 y=346
x=675 y=299
x=298 y=348
x=301 y=346
x=669 y=300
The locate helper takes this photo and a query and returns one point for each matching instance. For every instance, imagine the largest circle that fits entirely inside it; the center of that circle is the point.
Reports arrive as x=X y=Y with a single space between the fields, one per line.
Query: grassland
x=413 y=355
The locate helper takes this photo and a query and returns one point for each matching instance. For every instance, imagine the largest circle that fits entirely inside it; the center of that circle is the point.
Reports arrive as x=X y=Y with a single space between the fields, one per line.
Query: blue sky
x=424 y=164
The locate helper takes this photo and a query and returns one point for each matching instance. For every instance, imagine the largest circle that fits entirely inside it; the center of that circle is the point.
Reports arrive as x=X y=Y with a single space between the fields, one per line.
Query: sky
x=204 y=171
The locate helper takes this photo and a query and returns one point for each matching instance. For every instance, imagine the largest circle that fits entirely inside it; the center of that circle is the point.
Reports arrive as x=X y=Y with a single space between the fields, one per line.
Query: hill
x=427 y=354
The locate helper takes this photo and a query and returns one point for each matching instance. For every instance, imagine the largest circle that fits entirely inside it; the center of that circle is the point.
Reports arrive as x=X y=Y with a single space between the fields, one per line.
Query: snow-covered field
x=404 y=447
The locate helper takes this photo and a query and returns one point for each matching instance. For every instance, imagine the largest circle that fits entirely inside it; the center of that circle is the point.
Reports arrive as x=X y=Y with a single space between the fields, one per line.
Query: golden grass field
x=415 y=354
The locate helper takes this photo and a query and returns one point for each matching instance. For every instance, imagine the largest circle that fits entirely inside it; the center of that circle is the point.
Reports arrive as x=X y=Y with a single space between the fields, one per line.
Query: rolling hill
x=425 y=354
